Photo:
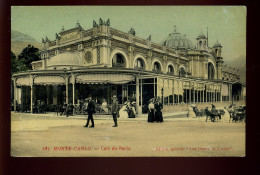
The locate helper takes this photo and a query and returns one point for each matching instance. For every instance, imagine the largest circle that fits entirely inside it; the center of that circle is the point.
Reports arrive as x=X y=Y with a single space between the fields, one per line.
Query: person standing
x=158 y=110
x=104 y=106
x=90 y=111
x=115 y=110
x=151 y=111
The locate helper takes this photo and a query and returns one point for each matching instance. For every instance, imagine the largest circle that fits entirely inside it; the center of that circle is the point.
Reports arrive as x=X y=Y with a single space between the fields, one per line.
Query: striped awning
x=49 y=80
x=23 y=81
x=104 y=78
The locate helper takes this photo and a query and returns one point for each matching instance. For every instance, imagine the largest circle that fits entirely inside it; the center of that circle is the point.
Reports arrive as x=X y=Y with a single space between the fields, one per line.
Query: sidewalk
x=140 y=117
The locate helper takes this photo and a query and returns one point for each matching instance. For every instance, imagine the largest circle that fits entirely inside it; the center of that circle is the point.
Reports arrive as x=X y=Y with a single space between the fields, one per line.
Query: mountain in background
x=19 y=41
x=21 y=37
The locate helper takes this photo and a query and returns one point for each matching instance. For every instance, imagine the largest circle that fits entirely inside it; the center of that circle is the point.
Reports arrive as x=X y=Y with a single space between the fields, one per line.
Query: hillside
x=19 y=41
x=21 y=37
x=17 y=47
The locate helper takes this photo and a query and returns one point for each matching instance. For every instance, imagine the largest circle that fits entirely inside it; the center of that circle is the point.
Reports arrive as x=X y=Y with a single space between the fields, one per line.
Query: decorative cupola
x=202 y=41
x=217 y=49
x=177 y=40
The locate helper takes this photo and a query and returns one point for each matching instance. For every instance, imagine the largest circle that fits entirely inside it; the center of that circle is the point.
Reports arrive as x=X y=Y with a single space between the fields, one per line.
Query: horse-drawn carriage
x=237 y=113
x=215 y=114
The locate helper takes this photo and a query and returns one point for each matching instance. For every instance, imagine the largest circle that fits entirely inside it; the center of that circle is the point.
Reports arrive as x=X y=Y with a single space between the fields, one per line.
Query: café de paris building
x=102 y=62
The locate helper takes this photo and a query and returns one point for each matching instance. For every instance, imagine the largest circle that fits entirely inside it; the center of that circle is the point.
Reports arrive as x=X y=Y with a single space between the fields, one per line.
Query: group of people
x=91 y=110
x=128 y=110
x=66 y=109
x=155 y=110
x=39 y=106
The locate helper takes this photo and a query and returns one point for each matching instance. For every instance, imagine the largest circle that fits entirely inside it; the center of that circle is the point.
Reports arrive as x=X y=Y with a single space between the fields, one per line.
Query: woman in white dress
x=226 y=116
x=151 y=110
x=123 y=112
x=104 y=106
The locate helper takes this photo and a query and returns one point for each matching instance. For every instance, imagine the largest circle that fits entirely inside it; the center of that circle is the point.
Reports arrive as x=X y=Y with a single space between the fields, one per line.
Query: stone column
x=137 y=96
x=189 y=92
x=173 y=92
x=203 y=91
x=211 y=96
x=178 y=97
x=201 y=85
x=141 y=94
x=194 y=92
x=73 y=88
x=127 y=91
x=131 y=56
x=197 y=94
x=186 y=94
x=206 y=94
x=31 y=98
x=230 y=93
x=73 y=93
x=216 y=96
x=67 y=89
x=31 y=83
x=168 y=92
x=154 y=87
x=15 y=93
x=220 y=94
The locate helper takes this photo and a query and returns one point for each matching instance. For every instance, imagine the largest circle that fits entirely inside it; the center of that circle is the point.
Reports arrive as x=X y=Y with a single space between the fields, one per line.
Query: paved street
x=46 y=135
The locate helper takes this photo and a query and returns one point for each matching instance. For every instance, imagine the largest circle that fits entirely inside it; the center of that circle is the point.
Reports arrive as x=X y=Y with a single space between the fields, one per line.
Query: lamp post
x=162 y=95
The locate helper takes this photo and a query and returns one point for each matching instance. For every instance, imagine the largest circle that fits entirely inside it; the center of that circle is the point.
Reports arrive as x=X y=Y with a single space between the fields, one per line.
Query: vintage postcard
x=128 y=81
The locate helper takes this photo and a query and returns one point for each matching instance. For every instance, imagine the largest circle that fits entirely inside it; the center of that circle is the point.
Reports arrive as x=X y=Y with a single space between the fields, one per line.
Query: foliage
x=28 y=55
x=16 y=65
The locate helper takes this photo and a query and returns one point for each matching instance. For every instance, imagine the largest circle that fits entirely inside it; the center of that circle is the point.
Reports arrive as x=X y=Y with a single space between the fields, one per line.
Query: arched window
x=139 y=63
x=211 y=71
x=170 y=69
x=156 y=66
x=200 y=44
x=182 y=72
x=118 y=60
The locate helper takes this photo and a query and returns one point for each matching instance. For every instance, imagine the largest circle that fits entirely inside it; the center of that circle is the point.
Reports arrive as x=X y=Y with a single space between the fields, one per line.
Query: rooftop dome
x=201 y=36
x=178 y=40
x=217 y=44
x=67 y=58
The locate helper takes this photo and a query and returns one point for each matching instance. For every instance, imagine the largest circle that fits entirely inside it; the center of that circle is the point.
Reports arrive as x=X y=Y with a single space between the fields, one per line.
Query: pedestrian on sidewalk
x=158 y=110
x=90 y=111
x=151 y=110
x=115 y=110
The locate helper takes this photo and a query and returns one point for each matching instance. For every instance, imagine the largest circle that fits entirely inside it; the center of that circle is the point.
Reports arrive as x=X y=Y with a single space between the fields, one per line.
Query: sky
x=227 y=24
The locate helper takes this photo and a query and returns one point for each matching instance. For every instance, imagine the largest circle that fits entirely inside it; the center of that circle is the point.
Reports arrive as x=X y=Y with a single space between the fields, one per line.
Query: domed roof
x=67 y=58
x=217 y=44
x=201 y=36
x=178 y=40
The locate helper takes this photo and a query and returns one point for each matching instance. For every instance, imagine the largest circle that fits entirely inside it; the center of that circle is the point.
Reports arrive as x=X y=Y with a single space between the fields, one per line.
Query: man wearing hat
x=115 y=110
x=90 y=111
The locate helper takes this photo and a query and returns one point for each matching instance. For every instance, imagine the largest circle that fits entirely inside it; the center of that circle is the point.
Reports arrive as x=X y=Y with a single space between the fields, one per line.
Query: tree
x=28 y=55
x=14 y=63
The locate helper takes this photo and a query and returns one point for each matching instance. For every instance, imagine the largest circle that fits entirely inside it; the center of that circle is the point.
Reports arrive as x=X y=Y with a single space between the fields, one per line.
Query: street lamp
x=162 y=95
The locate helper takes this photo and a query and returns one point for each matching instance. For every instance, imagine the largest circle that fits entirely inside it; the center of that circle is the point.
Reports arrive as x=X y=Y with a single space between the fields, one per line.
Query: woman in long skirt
x=158 y=110
x=151 y=111
x=123 y=112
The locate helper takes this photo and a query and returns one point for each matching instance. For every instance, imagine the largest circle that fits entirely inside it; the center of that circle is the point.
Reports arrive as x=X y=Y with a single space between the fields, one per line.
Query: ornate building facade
x=103 y=62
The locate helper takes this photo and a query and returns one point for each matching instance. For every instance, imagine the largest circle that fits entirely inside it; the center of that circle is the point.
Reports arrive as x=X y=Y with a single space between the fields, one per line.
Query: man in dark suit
x=115 y=110
x=90 y=111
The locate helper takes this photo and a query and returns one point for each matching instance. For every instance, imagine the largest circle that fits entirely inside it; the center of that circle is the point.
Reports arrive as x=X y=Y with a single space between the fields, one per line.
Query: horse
x=212 y=115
